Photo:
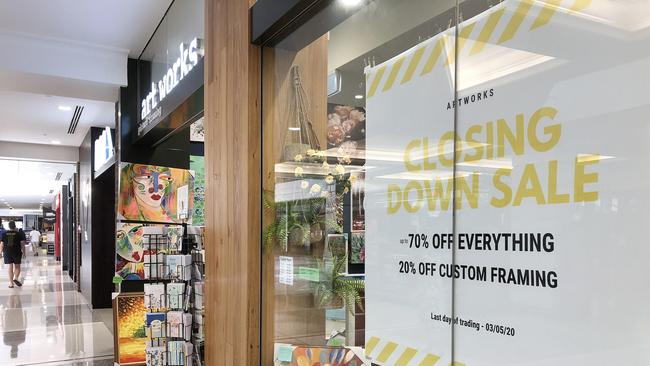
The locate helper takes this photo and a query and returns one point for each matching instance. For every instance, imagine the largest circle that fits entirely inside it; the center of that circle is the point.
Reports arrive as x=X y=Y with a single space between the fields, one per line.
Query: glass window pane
x=553 y=98
x=350 y=239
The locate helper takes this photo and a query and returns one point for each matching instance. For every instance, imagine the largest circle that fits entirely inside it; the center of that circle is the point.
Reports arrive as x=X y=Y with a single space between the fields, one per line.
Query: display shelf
x=172 y=271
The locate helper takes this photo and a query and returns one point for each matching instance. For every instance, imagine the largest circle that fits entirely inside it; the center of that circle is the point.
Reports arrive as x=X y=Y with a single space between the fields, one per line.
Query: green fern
x=334 y=285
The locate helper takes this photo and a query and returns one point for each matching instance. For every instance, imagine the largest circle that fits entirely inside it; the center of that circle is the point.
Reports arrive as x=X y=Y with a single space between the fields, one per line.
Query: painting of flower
x=130 y=343
x=346 y=131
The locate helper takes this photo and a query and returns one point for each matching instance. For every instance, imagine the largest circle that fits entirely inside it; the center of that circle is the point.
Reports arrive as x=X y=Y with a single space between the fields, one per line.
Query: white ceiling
x=67 y=52
x=35 y=118
x=124 y=24
x=31 y=182
x=61 y=53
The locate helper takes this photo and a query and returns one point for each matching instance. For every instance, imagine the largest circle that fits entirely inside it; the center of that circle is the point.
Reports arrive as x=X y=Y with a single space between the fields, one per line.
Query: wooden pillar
x=233 y=181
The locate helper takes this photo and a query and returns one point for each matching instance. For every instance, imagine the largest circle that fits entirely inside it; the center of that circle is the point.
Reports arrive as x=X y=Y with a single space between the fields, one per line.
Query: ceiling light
x=56 y=142
x=294 y=128
x=65 y=108
x=350 y=3
x=358 y=96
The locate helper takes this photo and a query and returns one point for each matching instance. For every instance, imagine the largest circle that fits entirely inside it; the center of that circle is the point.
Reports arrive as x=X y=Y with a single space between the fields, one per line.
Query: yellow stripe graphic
x=516 y=20
x=433 y=58
x=415 y=61
x=430 y=360
x=375 y=83
x=580 y=4
x=487 y=30
x=393 y=73
x=387 y=351
x=457 y=364
x=463 y=35
x=370 y=346
x=407 y=355
x=546 y=13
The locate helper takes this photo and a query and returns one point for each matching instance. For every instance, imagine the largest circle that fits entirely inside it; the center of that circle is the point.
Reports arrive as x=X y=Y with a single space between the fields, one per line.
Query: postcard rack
x=174 y=277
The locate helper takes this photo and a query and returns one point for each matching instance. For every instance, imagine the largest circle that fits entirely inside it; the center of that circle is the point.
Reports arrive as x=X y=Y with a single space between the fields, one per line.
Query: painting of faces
x=346 y=132
x=150 y=193
x=133 y=245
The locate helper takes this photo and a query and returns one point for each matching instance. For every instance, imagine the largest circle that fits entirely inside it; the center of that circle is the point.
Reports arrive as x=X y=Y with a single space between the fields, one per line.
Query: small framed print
x=357 y=253
x=336 y=246
x=358 y=194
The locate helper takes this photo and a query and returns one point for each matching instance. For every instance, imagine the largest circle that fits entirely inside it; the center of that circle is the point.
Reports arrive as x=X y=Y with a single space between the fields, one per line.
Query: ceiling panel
x=26 y=184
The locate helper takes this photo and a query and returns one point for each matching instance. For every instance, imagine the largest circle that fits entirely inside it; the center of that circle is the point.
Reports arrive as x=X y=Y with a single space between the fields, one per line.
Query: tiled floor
x=47 y=322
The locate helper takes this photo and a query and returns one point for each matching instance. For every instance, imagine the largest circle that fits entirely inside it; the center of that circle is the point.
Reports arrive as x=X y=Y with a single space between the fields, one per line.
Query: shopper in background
x=2 y=229
x=35 y=239
x=12 y=246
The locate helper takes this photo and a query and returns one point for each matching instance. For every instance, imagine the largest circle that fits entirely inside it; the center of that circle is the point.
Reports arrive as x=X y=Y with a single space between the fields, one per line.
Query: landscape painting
x=128 y=315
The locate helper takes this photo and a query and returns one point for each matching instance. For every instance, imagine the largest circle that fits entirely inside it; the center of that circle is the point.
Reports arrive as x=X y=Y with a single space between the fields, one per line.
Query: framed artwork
x=197 y=165
x=358 y=214
x=346 y=131
x=316 y=356
x=197 y=133
x=336 y=245
x=131 y=339
x=357 y=248
x=151 y=193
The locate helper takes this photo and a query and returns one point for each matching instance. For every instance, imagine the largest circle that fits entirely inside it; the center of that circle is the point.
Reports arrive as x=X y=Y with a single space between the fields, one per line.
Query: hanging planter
x=300 y=136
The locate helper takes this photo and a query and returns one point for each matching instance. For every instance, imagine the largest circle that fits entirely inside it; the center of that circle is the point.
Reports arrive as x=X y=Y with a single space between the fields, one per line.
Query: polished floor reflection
x=47 y=322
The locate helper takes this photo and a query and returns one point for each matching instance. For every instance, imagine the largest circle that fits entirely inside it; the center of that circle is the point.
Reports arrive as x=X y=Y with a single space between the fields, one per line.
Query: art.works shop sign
x=173 y=87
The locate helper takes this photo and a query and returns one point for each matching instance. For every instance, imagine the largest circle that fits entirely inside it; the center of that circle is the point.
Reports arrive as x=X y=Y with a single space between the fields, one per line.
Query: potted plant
x=334 y=289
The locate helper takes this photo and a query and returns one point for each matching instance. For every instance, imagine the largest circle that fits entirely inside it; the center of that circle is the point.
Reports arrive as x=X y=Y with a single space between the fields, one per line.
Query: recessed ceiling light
x=65 y=108
x=350 y=3
x=358 y=96
x=56 y=142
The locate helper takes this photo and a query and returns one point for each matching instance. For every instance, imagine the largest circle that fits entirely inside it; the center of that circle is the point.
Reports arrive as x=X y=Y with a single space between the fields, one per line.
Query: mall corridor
x=47 y=322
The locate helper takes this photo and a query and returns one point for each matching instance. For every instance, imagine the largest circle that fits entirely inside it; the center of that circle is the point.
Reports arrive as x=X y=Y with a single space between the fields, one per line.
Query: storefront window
x=320 y=172
x=443 y=194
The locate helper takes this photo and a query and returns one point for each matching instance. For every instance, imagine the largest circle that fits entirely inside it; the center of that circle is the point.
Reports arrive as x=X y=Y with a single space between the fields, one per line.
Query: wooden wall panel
x=233 y=181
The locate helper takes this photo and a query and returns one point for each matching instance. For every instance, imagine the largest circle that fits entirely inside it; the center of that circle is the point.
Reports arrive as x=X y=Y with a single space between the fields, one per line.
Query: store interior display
x=156 y=245
x=311 y=217
x=174 y=304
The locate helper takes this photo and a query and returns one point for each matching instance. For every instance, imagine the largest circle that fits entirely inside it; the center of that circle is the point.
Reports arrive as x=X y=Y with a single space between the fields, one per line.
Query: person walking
x=2 y=229
x=12 y=246
x=35 y=239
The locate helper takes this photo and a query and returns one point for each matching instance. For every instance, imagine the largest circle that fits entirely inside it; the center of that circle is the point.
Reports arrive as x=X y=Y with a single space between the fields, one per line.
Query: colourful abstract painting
x=197 y=165
x=150 y=193
x=317 y=356
x=130 y=343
